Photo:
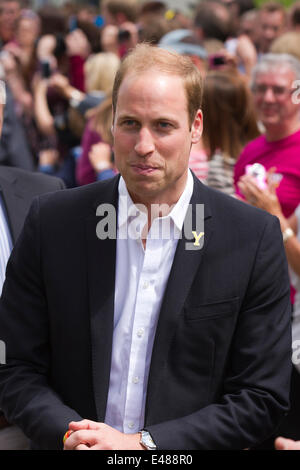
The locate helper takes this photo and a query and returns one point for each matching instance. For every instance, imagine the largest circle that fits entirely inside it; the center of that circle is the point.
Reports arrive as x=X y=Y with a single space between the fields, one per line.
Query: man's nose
x=269 y=94
x=145 y=143
x=269 y=34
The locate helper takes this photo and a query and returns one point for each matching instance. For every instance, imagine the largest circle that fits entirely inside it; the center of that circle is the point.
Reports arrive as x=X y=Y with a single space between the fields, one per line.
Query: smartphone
x=216 y=60
x=123 y=35
x=45 y=69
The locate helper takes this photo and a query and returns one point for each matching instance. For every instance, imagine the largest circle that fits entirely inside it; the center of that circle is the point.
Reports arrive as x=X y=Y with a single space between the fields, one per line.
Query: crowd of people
x=59 y=66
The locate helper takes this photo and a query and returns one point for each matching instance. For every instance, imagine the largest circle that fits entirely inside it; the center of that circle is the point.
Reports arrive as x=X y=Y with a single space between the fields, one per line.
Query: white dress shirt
x=141 y=278
x=5 y=243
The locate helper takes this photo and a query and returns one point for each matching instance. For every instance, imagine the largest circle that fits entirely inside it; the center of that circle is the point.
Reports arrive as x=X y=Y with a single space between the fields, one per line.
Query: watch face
x=147 y=441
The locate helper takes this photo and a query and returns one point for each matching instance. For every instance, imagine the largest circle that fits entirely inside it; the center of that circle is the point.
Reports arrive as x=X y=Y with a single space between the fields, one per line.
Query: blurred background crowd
x=59 y=63
x=59 y=59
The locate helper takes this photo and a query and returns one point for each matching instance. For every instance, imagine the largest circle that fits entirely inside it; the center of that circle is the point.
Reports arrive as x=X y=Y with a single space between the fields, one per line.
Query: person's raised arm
x=267 y=199
x=43 y=116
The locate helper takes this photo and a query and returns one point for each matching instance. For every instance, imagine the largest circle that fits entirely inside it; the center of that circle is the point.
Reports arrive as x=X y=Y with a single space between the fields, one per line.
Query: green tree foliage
x=285 y=3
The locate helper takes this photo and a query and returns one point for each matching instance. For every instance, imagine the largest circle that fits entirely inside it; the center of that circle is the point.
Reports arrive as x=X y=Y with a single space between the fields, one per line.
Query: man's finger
x=87 y=437
x=282 y=443
x=83 y=424
x=82 y=447
x=252 y=186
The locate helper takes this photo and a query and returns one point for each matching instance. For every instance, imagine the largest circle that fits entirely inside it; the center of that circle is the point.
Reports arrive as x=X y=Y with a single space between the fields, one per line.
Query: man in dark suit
x=17 y=190
x=154 y=312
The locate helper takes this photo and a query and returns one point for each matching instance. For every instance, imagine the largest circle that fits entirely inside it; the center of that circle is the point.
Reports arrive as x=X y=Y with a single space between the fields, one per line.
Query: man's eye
x=279 y=90
x=164 y=125
x=129 y=123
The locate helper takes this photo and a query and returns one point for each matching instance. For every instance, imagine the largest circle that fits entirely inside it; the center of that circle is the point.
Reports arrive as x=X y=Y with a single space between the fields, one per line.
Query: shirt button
x=140 y=332
x=130 y=425
x=146 y=285
x=135 y=380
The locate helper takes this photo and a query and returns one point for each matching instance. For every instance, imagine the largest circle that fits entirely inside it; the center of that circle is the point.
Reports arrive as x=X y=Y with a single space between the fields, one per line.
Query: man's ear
x=197 y=127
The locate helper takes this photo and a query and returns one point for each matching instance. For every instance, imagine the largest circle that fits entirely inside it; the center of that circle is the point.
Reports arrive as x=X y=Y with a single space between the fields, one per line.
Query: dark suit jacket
x=18 y=189
x=220 y=368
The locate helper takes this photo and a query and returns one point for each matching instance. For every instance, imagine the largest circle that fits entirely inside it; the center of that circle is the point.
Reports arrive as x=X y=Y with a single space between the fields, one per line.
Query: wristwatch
x=146 y=440
x=287 y=233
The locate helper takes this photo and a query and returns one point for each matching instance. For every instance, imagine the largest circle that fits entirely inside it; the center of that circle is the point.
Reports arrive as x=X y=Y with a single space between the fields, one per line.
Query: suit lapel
x=185 y=266
x=15 y=203
x=101 y=255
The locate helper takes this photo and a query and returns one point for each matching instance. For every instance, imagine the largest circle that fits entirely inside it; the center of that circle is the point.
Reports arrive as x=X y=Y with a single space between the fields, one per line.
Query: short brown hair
x=145 y=57
x=214 y=19
x=272 y=7
x=129 y=8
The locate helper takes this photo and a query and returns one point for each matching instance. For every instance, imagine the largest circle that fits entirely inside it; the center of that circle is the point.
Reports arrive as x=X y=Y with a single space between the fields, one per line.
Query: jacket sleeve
x=257 y=378
x=25 y=394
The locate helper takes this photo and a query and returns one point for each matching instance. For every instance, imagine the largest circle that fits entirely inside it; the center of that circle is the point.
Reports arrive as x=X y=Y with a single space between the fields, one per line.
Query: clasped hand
x=90 y=435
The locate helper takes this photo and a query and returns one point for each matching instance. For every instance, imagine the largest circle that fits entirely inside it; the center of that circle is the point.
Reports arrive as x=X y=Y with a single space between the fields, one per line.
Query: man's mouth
x=143 y=169
x=269 y=111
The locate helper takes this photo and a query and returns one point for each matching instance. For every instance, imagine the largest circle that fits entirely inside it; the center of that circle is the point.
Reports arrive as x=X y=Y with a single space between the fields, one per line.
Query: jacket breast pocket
x=214 y=310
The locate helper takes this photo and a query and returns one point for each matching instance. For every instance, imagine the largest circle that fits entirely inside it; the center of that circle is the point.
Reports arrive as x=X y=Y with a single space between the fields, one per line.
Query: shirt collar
x=179 y=210
x=127 y=208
